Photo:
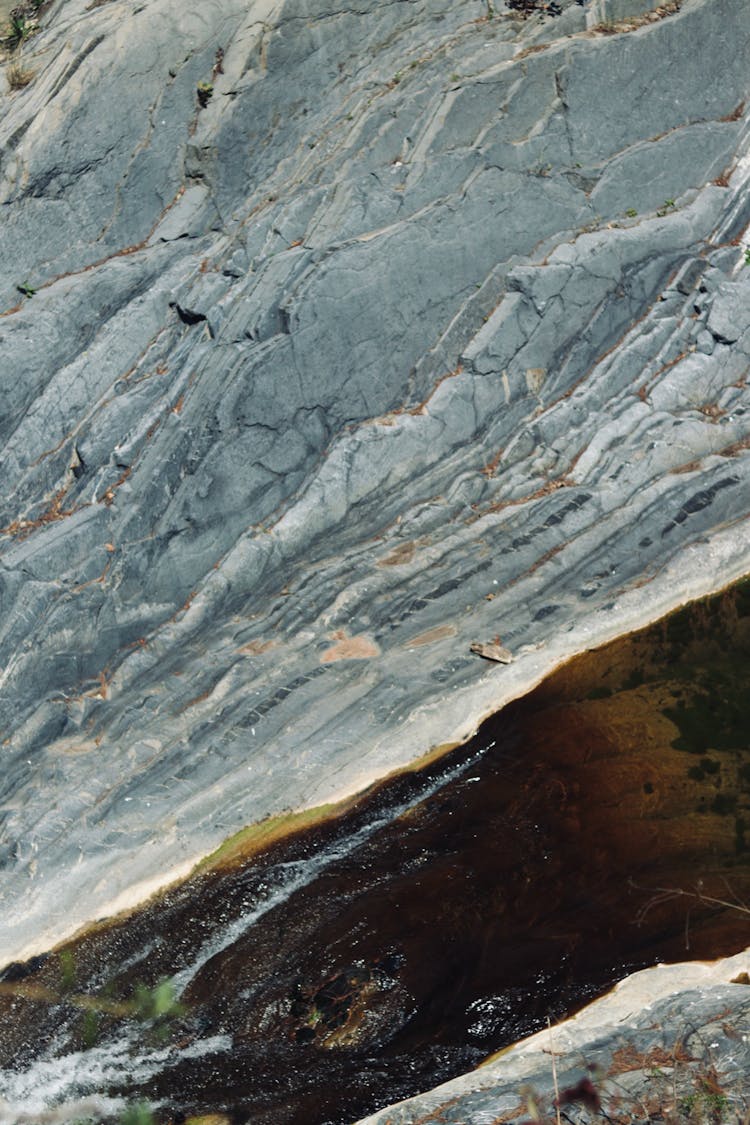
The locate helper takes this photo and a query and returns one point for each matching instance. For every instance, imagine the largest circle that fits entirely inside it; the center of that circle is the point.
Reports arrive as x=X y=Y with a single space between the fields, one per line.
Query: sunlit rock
x=421 y=329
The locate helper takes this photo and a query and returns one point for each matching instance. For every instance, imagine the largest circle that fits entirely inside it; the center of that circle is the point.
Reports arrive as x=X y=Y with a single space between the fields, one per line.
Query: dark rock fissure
x=449 y=913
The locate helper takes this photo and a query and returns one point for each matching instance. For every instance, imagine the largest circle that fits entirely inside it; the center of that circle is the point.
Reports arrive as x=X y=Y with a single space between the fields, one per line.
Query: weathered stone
x=729 y=318
x=433 y=334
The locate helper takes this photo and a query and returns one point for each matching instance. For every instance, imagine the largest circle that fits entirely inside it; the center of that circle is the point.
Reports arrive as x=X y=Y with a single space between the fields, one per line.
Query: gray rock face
x=424 y=329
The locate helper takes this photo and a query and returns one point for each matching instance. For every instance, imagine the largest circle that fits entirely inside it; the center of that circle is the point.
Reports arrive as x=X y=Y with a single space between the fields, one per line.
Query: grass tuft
x=17 y=76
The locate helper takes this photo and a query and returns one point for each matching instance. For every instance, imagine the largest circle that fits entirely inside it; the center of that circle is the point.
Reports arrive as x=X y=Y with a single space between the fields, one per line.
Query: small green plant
x=138 y=1114
x=747 y=255
x=90 y=1028
x=631 y=212
x=26 y=289
x=67 y=971
x=705 y=1104
x=314 y=1016
x=18 y=30
x=205 y=92
x=157 y=1007
x=667 y=205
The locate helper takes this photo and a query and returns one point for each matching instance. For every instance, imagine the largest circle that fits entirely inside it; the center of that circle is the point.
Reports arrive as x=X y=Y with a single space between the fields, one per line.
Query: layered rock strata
x=334 y=340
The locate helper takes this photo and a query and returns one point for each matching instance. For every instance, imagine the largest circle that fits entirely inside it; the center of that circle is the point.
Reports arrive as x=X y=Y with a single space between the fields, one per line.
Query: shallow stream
x=579 y=836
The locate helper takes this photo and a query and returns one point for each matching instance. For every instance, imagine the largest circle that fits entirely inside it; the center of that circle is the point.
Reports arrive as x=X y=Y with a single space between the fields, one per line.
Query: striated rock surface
x=347 y=336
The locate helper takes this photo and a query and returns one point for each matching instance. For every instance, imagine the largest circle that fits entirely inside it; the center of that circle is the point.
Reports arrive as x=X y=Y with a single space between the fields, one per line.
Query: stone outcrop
x=337 y=338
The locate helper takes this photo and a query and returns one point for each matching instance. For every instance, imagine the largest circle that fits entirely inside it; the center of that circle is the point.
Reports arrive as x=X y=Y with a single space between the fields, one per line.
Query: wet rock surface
x=683 y=1057
x=595 y=827
x=376 y=330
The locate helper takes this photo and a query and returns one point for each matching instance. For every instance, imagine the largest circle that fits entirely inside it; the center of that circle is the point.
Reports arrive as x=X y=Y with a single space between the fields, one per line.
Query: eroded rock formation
x=335 y=339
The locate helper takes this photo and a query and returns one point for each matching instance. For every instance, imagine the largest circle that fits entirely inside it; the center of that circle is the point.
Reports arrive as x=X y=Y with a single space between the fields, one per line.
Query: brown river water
x=449 y=912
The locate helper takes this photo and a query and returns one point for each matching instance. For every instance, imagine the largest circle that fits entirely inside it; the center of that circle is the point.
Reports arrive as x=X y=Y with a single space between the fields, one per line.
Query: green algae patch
x=254 y=839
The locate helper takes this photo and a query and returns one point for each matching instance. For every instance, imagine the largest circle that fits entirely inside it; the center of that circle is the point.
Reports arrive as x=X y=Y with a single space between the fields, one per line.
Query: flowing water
x=447 y=914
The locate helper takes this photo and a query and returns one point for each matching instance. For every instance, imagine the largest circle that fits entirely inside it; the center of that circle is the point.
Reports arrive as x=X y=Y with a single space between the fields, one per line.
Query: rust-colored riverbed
x=447 y=914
